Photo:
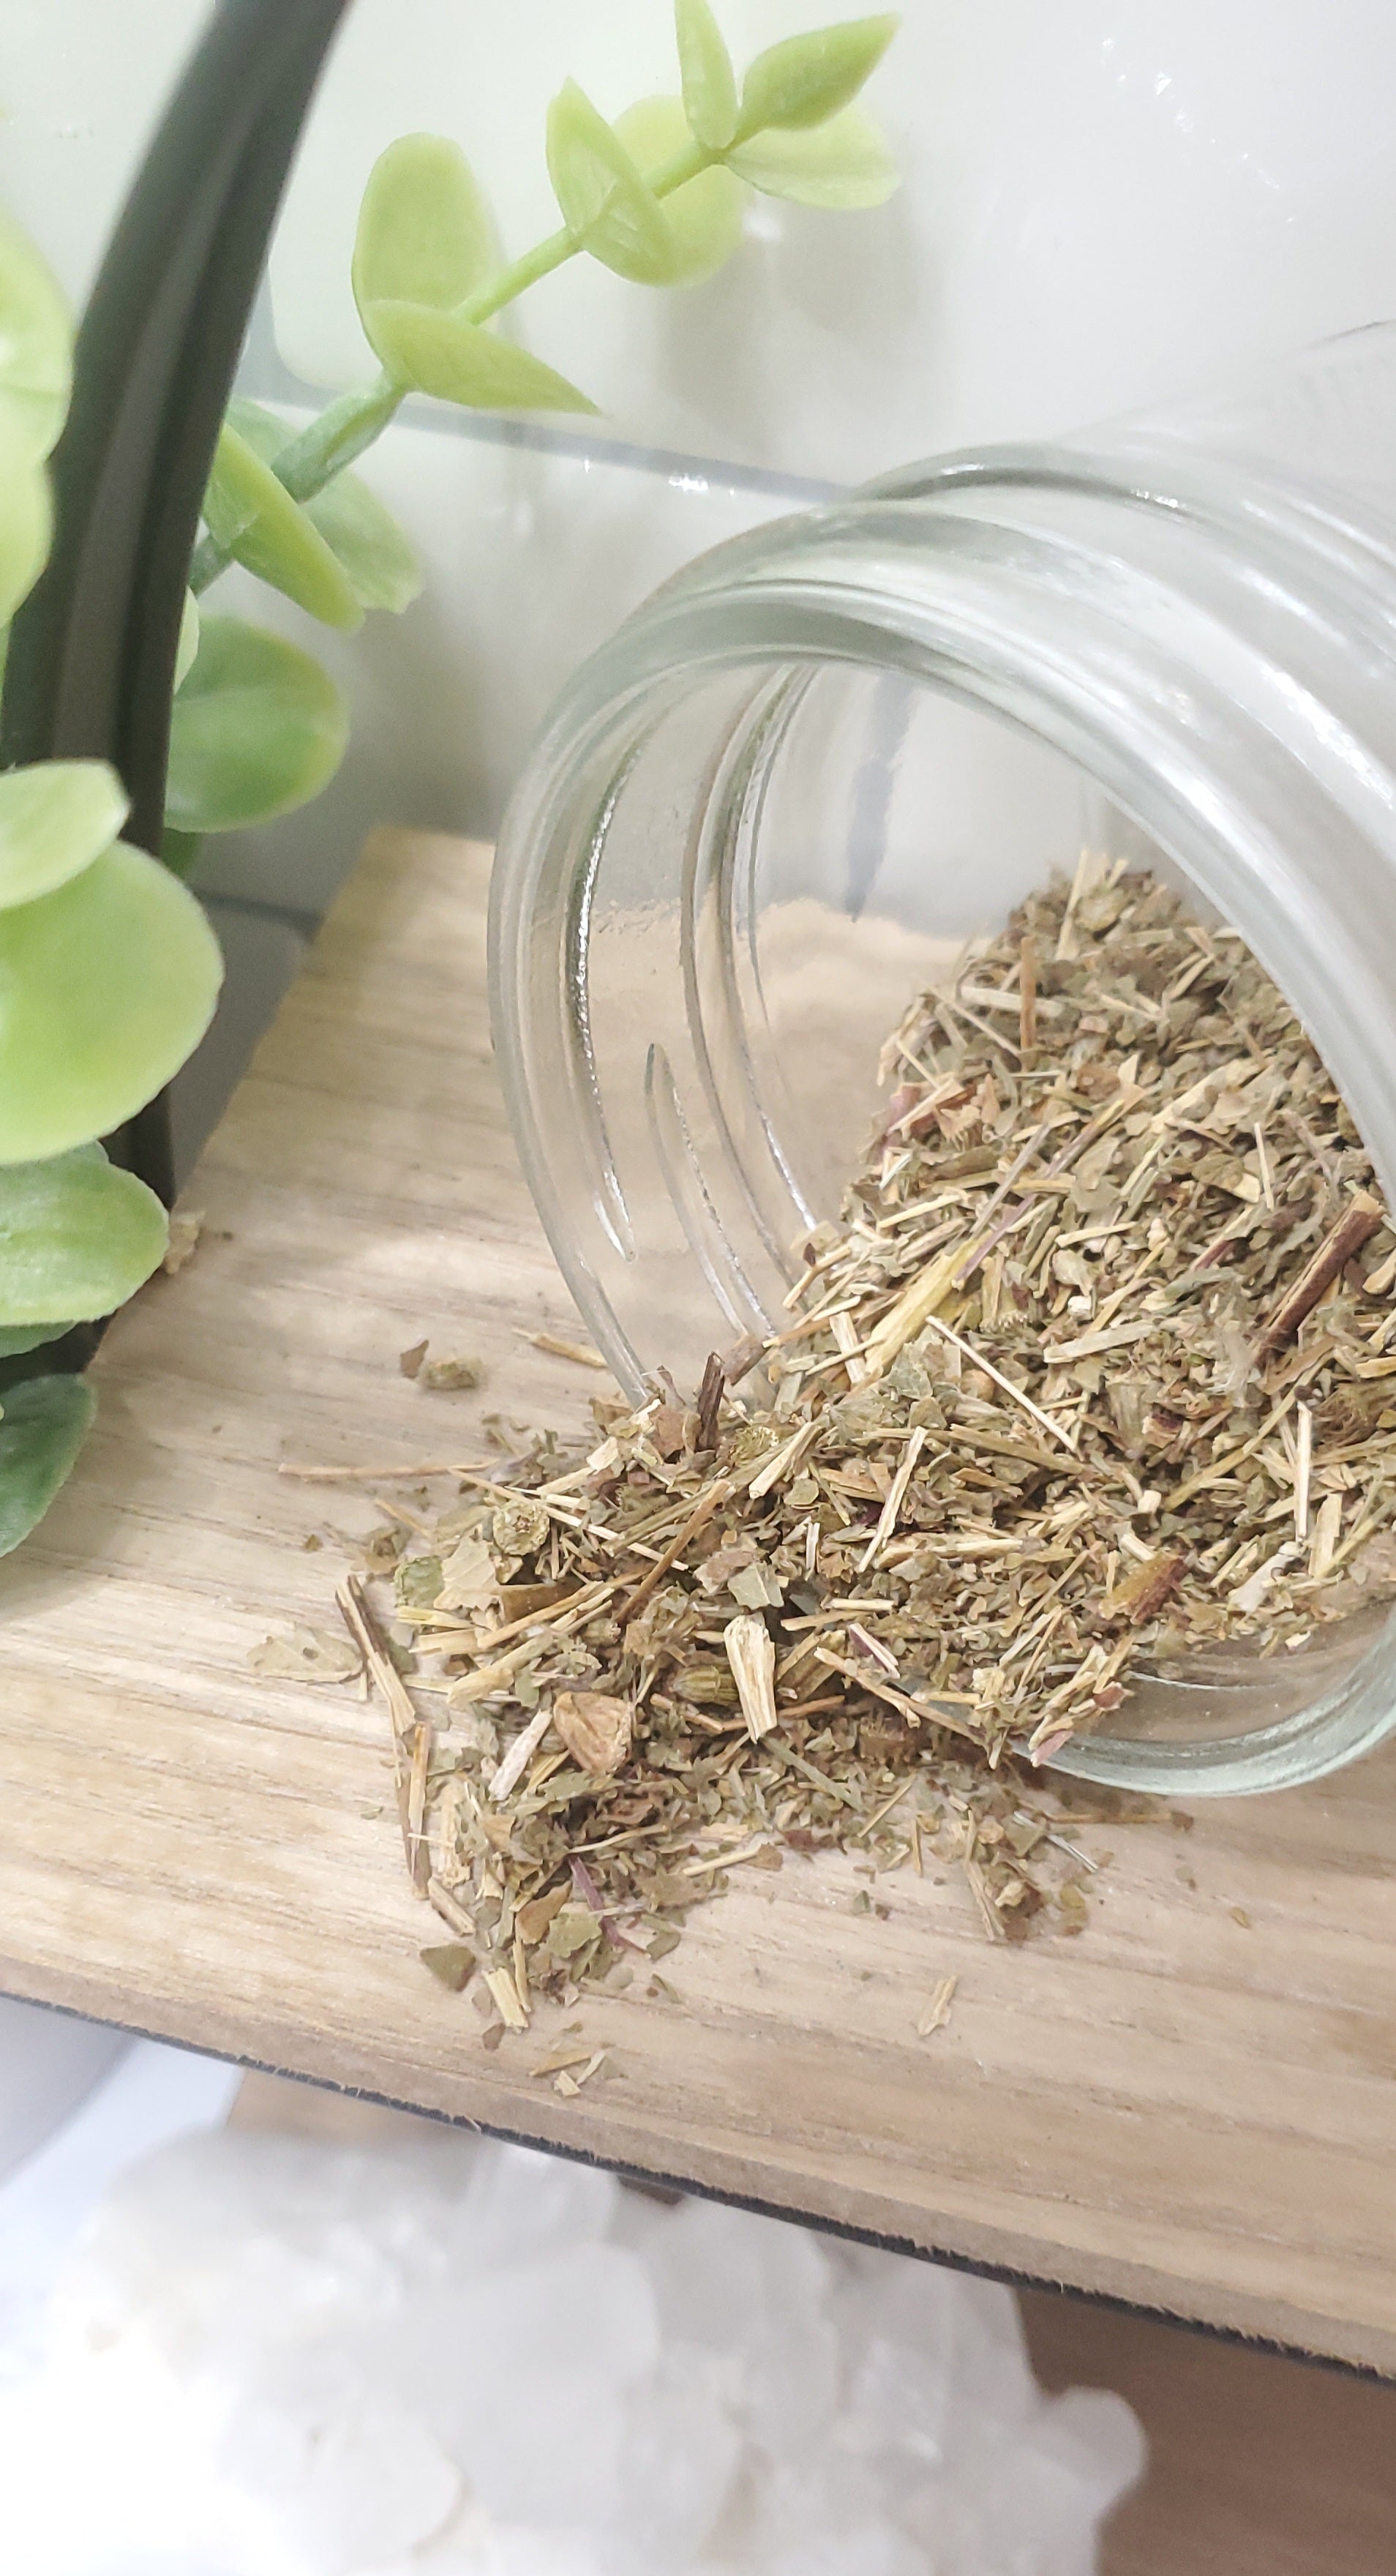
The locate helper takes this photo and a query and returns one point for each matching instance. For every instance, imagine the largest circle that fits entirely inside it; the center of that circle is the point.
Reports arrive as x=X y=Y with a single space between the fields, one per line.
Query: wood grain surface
x=1191 y=2106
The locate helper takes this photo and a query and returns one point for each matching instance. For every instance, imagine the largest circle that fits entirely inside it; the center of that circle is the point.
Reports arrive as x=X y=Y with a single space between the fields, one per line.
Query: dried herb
x=1092 y=1372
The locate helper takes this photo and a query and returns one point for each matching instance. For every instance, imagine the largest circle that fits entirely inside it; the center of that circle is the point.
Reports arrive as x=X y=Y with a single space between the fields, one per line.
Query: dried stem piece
x=1360 y=1219
x=519 y=1755
x=702 y=1512
x=710 y=1395
x=385 y=1475
x=752 y=1656
x=1027 y=998
x=368 y=1637
x=581 y=1352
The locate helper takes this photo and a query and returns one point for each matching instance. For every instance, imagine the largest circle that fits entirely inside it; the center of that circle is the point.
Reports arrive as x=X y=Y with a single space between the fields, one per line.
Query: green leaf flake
x=106 y=986
x=425 y=233
x=704 y=216
x=807 y=79
x=254 y=519
x=379 y=559
x=709 y=82
x=258 y=728
x=461 y=362
x=56 y=817
x=77 y=1238
x=45 y=1422
x=36 y=339
x=605 y=203
x=842 y=164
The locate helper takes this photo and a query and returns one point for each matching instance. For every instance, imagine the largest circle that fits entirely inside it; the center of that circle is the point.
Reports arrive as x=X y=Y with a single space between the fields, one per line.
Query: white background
x=1107 y=202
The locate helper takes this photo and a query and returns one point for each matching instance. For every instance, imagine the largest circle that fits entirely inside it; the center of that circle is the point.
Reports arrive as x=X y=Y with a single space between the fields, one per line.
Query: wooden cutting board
x=1192 y=2106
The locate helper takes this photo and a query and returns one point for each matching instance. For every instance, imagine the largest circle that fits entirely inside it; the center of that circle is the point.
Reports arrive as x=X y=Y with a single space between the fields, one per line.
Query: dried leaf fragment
x=532 y=1920
x=452 y=1963
x=410 y=1361
x=468 y=1577
x=456 y=1376
x=306 y=1655
x=563 y=2056
x=596 y=1729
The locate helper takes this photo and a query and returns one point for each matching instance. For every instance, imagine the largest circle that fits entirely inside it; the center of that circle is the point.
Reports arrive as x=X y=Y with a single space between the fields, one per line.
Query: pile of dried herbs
x=1092 y=1373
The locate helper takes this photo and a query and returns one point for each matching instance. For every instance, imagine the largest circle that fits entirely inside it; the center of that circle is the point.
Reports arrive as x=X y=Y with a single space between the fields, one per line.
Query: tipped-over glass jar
x=811 y=767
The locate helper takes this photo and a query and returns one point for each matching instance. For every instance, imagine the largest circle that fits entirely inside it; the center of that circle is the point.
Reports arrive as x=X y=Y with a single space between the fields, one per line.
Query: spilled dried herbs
x=1092 y=1374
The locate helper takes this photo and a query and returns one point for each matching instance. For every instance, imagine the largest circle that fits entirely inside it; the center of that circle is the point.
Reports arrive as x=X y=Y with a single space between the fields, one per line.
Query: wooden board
x=1192 y=2106
x=1258 y=2465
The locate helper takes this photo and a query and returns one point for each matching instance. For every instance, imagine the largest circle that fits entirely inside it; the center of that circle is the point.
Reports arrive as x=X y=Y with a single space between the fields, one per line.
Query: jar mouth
x=680 y=1118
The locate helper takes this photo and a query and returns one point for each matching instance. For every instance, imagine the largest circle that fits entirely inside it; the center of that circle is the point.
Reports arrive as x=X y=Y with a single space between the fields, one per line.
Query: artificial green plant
x=109 y=972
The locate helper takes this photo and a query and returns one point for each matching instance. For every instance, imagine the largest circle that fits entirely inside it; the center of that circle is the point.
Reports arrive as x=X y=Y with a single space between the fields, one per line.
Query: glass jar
x=798 y=778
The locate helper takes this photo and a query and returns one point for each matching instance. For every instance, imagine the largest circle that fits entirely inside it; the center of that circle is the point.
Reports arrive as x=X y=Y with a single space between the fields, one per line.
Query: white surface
x=48 y=2061
x=150 y=2095
x=1106 y=203
x=281 y=2357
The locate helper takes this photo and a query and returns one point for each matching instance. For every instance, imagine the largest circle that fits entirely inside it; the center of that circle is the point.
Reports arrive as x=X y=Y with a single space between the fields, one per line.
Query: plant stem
x=342 y=432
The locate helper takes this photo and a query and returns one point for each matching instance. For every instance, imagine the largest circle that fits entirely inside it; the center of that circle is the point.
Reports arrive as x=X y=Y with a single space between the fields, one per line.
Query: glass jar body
x=804 y=773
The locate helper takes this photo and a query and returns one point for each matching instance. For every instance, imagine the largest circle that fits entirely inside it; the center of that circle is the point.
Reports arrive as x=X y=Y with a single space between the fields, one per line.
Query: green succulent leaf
x=36 y=340
x=709 y=82
x=56 y=817
x=180 y=850
x=265 y=432
x=704 y=216
x=254 y=519
x=425 y=233
x=16 y=1339
x=26 y=517
x=77 y=1238
x=258 y=728
x=842 y=164
x=605 y=203
x=381 y=564
x=461 y=362
x=806 y=79
x=188 y=644
x=379 y=560
x=106 y=985
x=45 y=1422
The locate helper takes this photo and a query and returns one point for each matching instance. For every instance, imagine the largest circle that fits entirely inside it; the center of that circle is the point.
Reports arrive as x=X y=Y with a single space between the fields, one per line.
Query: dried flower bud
x=519 y=1527
x=595 y=1728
